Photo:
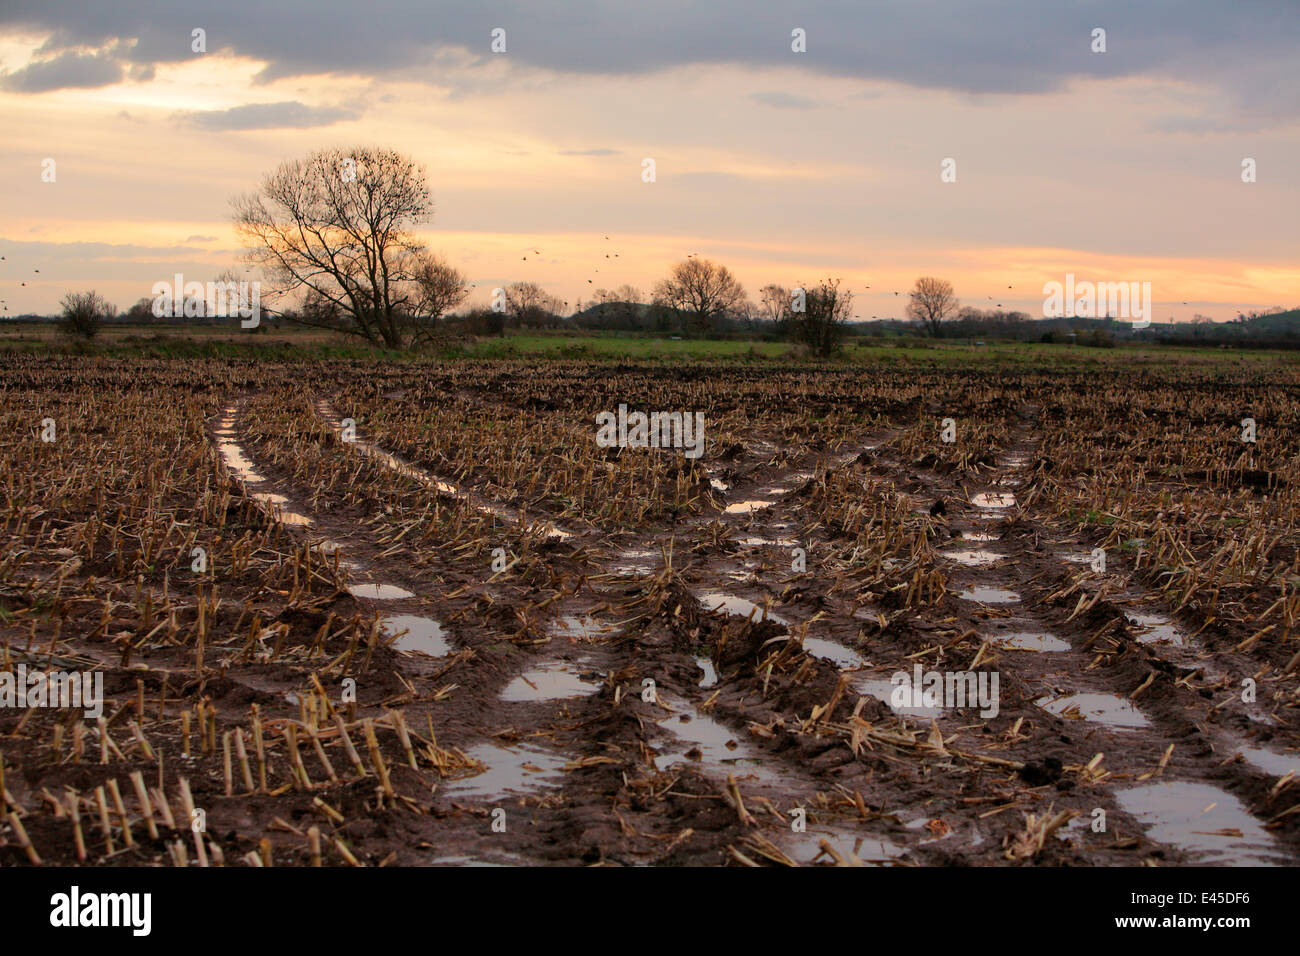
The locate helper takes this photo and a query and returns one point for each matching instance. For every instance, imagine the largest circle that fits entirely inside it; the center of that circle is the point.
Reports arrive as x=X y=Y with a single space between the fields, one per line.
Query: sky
x=785 y=165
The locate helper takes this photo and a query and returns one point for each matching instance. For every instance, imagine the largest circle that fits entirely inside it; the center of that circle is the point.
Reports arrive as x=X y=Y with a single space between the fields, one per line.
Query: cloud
x=590 y=152
x=1009 y=47
x=784 y=101
x=201 y=239
x=289 y=114
x=66 y=71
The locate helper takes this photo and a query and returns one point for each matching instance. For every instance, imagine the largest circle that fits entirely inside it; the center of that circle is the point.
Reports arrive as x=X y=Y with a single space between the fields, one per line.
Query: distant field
x=307 y=344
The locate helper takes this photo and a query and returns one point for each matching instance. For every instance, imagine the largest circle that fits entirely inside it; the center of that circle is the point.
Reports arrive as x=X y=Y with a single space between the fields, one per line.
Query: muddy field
x=360 y=614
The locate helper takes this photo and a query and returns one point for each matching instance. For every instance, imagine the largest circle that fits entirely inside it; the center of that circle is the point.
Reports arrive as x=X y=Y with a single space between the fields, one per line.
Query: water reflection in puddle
x=713 y=748
x=1272 y=762
x=747 y=507
x=1030 y=641
x=989 y=595
x=1109 y=709
x=806 y=847
x=1203 y=820
x=1154 y=628
x=883 y=691
x=710 y=677
x=578 y=627
x=423 y=634
x=718 y=601
x=551 y=681
x=973 y=558
x=379 y=592
x=518 y=768
x=994 y=499
x=842 y=657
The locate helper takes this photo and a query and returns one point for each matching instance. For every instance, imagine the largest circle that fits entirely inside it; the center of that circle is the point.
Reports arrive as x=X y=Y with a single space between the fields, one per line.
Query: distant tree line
x=332 y=237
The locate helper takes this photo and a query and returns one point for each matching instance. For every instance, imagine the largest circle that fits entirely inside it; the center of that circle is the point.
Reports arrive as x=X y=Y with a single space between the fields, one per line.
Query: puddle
x=1270 y=761
x=768 y=542
x=973 y=558
x=839 y=655
x=379 y=592
x=708 y=745
x=978 y=536
x=1155 y=628
x=274 y=506
x=710 y=677
x=1203 y=820
x=423 y=634
x=1030 y=641
x=718 y=484
x=238 y=463
x=634 y=562
x=806 y=847
x=1077 y=557
x=989 y=595
x=472 y=861
x=553 y=681
x=747 y=507
x=514 y=769
x=994 y=499
x=1109 y=709
x=577 y=627
x=883 y=691
x=716 y=600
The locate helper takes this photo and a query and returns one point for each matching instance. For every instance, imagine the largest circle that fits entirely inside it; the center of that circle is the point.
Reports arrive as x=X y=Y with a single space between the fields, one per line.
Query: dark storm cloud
x=994 y=46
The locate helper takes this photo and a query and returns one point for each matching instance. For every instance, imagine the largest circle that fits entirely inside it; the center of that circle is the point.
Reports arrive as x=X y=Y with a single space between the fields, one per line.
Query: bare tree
x=529 y=305
x=932 y=303
x=141 y=313
x=775 y=301
x=440 y=287
x=701 y=290
x=336 y=228
x=821 y=324
x=84 y=313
